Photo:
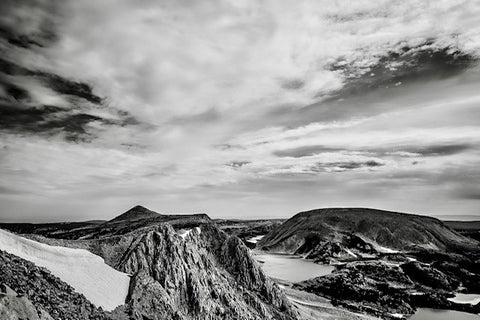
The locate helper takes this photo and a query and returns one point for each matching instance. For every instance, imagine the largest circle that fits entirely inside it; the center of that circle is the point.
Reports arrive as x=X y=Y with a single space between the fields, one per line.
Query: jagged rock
x=346 y=247
x=428 y=276
x=207 y=275
x=360 y=287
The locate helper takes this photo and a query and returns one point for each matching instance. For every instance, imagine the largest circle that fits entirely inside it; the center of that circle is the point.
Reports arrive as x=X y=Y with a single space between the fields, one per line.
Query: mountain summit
x=136 y=213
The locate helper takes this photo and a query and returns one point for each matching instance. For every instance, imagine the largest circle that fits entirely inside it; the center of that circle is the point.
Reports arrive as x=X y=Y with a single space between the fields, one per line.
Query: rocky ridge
x=207 y=275
x=132 y=220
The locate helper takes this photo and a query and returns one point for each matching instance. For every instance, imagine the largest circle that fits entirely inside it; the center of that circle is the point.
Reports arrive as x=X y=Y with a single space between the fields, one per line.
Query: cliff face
x=380 y=228
x=205 y=275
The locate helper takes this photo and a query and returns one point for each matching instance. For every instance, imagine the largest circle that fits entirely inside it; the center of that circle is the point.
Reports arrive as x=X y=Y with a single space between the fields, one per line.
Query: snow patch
x=397 y=315
x=86 y=272
x=255 y=239
x=351 y=253
x=184 y=233
x=386 y=250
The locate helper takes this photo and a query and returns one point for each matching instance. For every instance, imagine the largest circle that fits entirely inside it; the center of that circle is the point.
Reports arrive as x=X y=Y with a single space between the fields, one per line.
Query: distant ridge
x=136 y=213
x=133 y=219
x=389 y=229
x=461 y=217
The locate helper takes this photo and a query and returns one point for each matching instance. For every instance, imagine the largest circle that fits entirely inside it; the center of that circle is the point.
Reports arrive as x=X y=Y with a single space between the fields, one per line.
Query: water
x=436 y=314
x=290 y=267
x=466 y=298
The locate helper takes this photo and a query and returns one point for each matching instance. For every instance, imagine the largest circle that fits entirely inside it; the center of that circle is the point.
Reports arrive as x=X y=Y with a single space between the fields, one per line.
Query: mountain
x=197 y=272
x=136 y=218
x=206 y=275
x=136 y=213
x=367 y=230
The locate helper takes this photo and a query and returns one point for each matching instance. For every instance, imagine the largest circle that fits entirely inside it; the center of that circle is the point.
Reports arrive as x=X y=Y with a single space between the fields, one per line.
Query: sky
x=238 y=108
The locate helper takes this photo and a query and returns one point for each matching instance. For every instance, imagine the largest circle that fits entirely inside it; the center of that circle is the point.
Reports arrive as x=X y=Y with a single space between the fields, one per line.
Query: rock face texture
x=39 y=292
x=369 y=287
x=383 y=228
x=345 y=247
x=15 y=307
x=206 y=275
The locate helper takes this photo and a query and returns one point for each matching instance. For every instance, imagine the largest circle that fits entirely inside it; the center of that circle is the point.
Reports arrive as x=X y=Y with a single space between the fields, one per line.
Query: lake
x=290 y=267
x=466 y=298
x=436 y=314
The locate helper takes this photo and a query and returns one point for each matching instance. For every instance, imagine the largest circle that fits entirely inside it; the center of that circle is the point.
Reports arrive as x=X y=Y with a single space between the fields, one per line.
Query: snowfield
x=86 y=272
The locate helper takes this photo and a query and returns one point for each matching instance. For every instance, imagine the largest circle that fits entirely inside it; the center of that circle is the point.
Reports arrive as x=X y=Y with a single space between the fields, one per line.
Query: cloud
x=276 y=106
x=187 y=57
x=440 y=150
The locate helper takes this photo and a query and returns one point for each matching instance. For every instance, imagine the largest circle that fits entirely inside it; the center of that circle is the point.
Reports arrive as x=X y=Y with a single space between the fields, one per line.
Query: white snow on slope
x=255 y=239
x=386 y=250
x=351 y=253
x=86 y=272
x=184 y=233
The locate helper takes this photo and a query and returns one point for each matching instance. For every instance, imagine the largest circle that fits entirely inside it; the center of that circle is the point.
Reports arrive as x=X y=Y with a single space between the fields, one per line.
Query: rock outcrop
x=384 y=289
x=206 y=275
x=346 y=247
x=367 y=287
x=19 y=307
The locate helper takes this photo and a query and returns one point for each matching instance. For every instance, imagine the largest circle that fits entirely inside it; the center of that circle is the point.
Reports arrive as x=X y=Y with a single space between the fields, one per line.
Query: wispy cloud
x=199 y=104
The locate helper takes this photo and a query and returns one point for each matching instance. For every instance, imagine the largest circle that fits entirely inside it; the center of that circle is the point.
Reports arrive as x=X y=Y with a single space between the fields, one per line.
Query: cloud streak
x=193 y=106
